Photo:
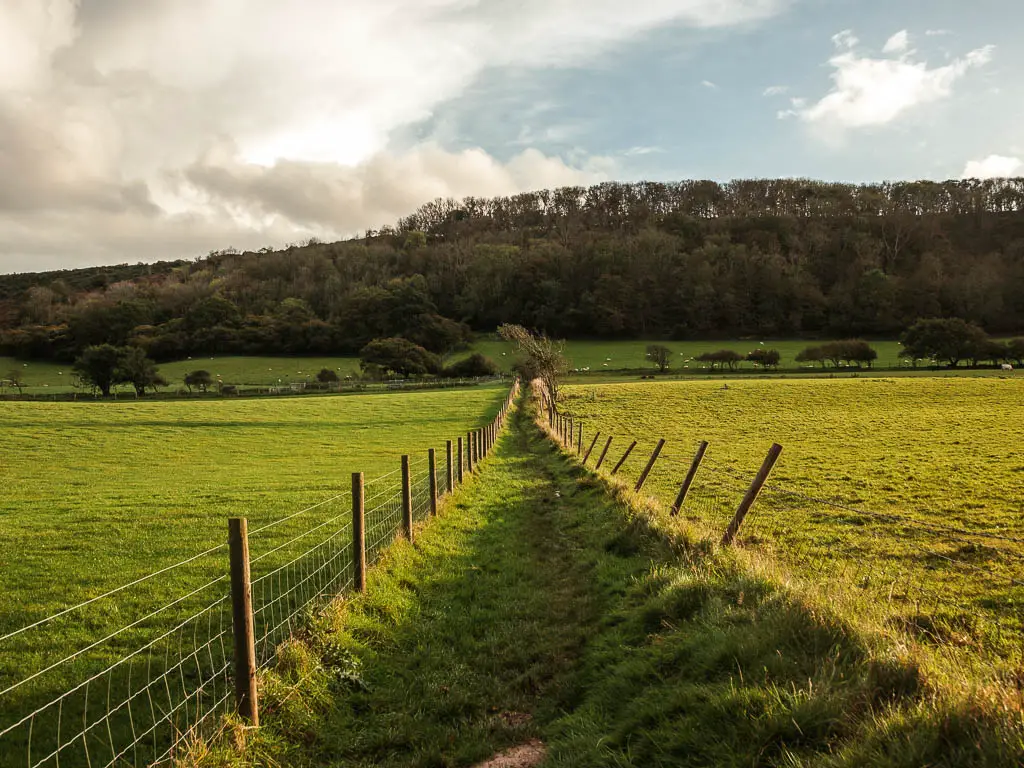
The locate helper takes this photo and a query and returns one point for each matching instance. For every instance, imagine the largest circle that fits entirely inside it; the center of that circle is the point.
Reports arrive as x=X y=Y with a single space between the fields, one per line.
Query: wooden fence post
x=449 y=474
x=751 y=496
x=460 y=462
x=406 y=499
x=358 y=533
x=591 y=448
x=469 y=451
x=603 y=454
x=688 y=480
x=432 y=470
x=242 y=621
x=650 y=465
x=579 y=443
x=624 y=457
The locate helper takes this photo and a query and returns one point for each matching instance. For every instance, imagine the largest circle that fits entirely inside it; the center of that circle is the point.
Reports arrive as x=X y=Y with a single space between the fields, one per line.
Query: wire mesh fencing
x=134 y=675
x=955 y=590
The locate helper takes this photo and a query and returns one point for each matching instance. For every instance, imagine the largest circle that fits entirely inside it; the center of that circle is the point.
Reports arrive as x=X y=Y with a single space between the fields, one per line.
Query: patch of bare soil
x=524 y=756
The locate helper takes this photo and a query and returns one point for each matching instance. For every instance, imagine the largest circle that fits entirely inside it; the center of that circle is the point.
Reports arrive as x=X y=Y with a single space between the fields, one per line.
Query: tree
x=858 y=351
x=201 y=380
x=721 y=357
x=135 y=368
x=16 y=379
x=400 y=356
x=766 y=358
x=327 y=376
x=659 y=355
x=948 y=340
x=542 y=358
x=1015 y=351
x=811 y=355
x=994 y=352
x=470 y=367
x=98 y=366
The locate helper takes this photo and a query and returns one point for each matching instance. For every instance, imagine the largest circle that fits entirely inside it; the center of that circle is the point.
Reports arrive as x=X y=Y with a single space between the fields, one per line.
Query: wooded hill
x=694 y=259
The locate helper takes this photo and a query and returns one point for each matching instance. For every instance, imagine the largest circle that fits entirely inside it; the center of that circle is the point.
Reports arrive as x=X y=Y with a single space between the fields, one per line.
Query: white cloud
x=937 y=32
x=869 y=91
x=993 y=167
x=709 y=84
x=898 y=43
x=640 y=151
x=775 y=90
x=107 y=105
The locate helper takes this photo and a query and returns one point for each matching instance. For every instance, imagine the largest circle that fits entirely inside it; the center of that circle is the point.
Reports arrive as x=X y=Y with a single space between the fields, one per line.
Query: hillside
x=690 y=260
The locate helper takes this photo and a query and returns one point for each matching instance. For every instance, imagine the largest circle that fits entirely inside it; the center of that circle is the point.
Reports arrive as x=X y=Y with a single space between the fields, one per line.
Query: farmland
x=941 y=456
x=95 y=496
x=591 y=358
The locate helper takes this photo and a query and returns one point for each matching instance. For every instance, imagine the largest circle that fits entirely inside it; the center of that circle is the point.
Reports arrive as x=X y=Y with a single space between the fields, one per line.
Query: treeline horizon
x=784 y=258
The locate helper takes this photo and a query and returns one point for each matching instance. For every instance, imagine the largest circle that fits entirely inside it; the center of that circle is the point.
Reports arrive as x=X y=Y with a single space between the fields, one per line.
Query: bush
x=327 y=376
x=471 y=367
x=721 y=357
x=399 y=356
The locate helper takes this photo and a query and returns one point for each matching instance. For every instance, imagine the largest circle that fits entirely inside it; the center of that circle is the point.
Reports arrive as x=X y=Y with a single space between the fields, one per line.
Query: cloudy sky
x=135 y=130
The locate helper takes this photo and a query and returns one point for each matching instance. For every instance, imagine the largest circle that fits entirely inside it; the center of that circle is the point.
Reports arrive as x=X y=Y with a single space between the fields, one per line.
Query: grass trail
x=535 y=606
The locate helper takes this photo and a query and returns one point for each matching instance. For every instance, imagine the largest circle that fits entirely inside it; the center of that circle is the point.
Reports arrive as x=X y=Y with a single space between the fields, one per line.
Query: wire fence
x=950 y=588
x=115 y=680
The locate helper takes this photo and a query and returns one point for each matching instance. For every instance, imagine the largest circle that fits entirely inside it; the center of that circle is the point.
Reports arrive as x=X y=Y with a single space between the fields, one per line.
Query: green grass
x=96 y=495
x=537 y=606
x=935 y=452
x=42 y=377
x=596 y=357
x=601 y=356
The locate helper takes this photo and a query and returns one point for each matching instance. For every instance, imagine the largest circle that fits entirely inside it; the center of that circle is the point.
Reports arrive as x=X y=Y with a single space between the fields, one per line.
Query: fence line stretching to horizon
x=946 y=587
x=142 y=693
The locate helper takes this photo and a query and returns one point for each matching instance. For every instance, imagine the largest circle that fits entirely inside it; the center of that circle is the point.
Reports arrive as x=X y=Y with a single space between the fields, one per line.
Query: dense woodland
x=690 y=260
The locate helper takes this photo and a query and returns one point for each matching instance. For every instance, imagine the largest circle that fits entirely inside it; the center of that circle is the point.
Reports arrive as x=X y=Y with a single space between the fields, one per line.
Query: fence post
x=579 y=443
x=461 y=462
x=751 y=496
x=406 y=499
x=358 y=533
x=591 y=448
x=242 y=621
x=603 y=454
x=688 y=480
x=449 y=474
x=650 y=465
x=432 y=470
x=624 y=457
x=469 y=452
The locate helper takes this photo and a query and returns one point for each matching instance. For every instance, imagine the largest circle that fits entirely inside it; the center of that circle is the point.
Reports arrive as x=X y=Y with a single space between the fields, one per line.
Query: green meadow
x=93 y=496
x=904 y=491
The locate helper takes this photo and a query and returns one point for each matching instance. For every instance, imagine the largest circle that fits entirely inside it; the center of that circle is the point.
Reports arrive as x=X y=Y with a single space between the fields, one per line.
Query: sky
x=138 y=130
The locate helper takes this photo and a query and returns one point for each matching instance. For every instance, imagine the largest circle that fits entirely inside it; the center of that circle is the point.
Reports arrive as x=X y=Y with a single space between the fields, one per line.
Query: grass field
x=43 y=377
x=591 y=358
x=537 y=607
x=938 y=454
x=94 y=496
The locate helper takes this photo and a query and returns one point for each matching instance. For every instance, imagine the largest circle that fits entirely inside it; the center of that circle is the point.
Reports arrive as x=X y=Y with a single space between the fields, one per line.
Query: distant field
x=615 y=355
x=96 y=495
x=936 y=451
x=590 y=357
x=42 y=377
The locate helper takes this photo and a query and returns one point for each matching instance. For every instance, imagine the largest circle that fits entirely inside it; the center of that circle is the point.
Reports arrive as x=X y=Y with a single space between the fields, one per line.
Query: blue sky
x=136 y=131
x=678 y=102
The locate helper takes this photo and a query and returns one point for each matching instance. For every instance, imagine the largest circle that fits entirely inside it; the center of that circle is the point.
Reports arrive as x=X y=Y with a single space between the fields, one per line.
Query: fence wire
x=134 y=675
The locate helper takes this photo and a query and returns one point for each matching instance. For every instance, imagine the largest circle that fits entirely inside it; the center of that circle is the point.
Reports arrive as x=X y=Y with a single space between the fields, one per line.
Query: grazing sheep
x=1007 y=367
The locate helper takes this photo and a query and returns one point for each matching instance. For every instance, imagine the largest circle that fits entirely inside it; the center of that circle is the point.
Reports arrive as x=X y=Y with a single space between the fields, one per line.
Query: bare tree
x=543 y=358
x=660 y=355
